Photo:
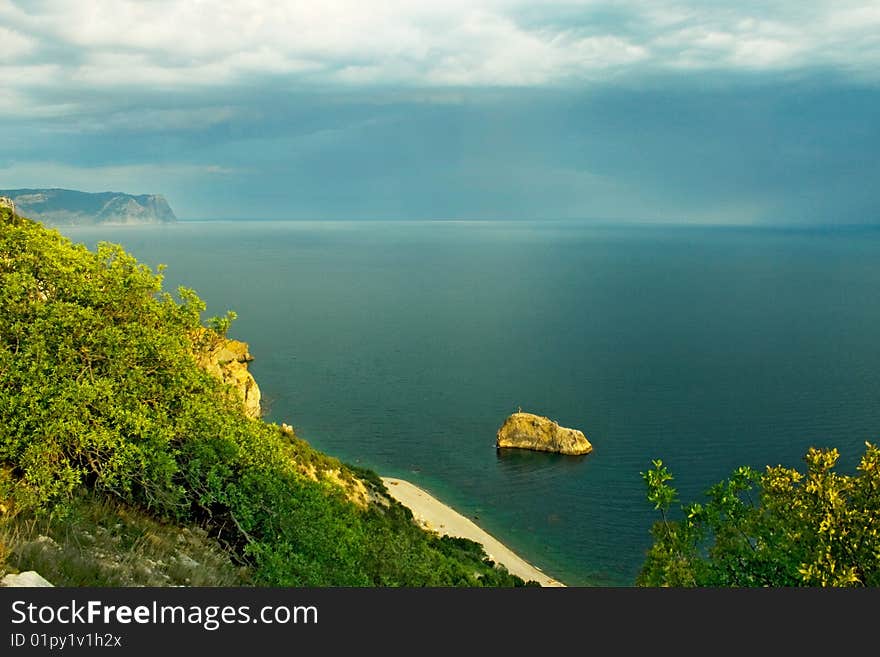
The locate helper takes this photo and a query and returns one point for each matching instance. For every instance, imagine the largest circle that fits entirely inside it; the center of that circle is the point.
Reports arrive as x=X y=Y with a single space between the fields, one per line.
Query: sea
x=403 y=346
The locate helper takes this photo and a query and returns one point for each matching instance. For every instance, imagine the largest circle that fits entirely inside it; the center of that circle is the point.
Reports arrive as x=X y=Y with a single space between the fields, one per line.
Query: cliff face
x=66 y=206
x=228 y=361
x=528 y=431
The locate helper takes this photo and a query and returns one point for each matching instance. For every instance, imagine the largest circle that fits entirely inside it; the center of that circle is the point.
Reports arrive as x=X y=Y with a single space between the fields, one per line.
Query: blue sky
x=660 y=111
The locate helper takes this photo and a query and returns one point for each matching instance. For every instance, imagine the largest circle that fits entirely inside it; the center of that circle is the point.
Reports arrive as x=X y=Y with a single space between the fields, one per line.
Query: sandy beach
x=432 y=514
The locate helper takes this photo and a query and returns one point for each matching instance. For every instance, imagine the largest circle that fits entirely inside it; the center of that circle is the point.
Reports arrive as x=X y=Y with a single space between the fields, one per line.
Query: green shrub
x=779 y=528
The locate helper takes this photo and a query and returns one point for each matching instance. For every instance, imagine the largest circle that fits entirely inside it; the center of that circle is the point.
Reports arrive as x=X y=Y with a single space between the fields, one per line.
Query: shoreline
x=434 y=515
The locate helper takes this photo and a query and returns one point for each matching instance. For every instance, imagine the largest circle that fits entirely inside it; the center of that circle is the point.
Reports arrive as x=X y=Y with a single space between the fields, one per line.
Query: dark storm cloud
x=661 y=111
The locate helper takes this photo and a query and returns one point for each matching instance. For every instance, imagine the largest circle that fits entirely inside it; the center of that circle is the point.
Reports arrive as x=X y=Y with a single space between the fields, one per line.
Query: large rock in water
x=529 y=431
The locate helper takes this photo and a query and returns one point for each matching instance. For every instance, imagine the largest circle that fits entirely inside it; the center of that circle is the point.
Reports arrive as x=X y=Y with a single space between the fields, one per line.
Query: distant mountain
x=66 y=206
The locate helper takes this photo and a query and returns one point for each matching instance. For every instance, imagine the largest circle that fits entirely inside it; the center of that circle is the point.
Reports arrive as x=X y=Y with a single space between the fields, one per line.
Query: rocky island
x=529 y=431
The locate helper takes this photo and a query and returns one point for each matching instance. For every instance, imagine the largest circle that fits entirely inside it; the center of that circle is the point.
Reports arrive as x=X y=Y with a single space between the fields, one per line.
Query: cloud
x=649 y=109
x=66 y=56
x=44 y=174
x=188 y=45
x=14 y=45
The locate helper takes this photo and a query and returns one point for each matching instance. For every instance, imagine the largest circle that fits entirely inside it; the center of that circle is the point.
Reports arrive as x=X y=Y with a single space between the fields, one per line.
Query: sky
x=628 y=111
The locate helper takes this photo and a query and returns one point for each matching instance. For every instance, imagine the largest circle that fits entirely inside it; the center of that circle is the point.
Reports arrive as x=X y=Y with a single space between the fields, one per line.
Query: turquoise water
x=403 y=346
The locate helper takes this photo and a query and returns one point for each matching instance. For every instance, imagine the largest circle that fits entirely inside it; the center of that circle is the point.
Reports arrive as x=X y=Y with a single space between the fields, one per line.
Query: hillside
x=66 y=206
x=123 y=460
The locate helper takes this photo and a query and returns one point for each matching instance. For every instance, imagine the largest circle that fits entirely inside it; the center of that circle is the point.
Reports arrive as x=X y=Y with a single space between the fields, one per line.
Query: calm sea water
x=403 y=346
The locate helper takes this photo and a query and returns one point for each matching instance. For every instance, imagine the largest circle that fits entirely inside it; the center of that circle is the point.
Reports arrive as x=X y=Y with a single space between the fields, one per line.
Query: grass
x=98 y=541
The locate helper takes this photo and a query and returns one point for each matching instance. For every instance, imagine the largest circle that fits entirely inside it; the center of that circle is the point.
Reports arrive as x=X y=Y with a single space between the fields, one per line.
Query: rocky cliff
x=67 y=206
x=529 y=431
x=228 y=361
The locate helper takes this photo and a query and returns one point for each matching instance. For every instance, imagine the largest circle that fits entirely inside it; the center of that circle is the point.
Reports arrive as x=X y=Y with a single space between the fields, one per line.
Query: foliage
x=220 y=325
x=100 y=389
x=779 y=528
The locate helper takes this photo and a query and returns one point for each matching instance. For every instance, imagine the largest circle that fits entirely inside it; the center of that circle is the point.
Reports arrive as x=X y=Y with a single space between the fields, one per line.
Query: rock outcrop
x=28 y=578
x=529 y=431
x=228 y=361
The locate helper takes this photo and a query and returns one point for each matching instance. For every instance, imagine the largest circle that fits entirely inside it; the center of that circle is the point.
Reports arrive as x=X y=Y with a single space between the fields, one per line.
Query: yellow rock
x=227 y=360
x=529 y=431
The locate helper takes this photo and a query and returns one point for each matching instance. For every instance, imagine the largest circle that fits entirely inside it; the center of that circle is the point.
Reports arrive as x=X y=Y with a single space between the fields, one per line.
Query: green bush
x=779 y=528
